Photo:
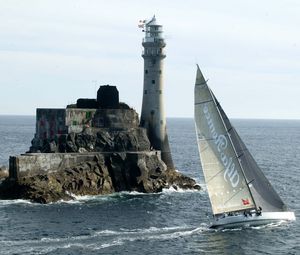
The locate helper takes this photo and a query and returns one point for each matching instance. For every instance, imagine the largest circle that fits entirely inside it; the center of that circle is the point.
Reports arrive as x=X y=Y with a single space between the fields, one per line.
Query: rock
x=53 y=147
x=35 y=145
x=62 y=143
x=82 y=150
x=95 y=140
x=80 y=141
x=71 y=147
x=150 y=179
x=70 y=143
x=179 y=180
x=104 y=141
x=131 y=140
x=141 y=172
x=87 y=178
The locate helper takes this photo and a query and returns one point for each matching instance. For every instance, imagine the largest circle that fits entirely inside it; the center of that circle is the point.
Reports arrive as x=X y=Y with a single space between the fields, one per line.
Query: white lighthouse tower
x=153 y=114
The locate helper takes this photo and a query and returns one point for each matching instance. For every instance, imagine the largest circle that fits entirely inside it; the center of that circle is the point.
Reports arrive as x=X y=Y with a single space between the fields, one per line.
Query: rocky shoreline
x=103 y=175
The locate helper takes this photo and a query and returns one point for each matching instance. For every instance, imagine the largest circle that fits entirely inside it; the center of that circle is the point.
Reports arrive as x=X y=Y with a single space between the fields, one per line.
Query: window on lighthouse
x=153 y=81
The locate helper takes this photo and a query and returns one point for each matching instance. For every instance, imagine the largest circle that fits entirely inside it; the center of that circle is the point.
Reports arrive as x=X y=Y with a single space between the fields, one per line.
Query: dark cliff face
x=141 y=172
x=95 y=140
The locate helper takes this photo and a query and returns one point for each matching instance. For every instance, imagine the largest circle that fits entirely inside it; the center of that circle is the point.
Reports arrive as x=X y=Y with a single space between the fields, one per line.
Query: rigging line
x=235 y=195
x=212 y=139
x=240 y=155
x=206 y=139
x=204 y=102
x=251 y=181
x=204 y=149
x=211 y=178
x=202 y=83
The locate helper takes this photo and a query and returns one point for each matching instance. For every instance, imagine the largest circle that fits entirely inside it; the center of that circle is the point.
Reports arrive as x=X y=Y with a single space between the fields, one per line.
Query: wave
x=264 y=226
x=122 y=194
x=102 y=239
x=270 y=225
x=15 y=201
x=179 y=190
x=81 y=199
x=139 y=231
x=146 y=233
x=87 y=198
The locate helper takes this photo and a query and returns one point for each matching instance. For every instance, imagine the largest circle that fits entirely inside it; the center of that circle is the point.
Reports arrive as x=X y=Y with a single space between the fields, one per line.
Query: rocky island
x=93 y=147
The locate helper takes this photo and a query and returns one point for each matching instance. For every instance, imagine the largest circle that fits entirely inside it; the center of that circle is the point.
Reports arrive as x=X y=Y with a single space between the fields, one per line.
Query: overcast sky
x=53 y=52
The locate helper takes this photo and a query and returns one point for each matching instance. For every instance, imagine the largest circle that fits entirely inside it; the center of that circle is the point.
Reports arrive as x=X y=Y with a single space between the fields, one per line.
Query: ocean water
x=170 y=222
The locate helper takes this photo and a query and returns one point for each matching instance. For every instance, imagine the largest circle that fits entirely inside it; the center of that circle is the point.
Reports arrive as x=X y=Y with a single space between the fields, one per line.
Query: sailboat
x=239 y=193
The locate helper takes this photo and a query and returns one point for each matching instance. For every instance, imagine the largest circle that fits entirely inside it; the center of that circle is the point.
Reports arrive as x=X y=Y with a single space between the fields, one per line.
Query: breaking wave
x=179 y=190
x=102 y=239
x=15 y=202
x=123 y=194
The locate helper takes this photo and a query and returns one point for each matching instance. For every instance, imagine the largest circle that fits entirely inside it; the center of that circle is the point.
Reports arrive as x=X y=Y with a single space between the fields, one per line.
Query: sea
x=170 y=222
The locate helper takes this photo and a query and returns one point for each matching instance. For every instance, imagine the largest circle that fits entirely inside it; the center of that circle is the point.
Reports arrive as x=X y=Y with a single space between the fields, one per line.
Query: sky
x=53 y=52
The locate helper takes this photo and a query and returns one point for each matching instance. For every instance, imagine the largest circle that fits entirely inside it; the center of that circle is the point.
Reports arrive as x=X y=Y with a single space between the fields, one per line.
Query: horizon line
x=168 y=117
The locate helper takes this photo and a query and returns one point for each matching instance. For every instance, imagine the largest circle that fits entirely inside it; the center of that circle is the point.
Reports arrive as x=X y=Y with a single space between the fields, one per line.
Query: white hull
x=241 y=220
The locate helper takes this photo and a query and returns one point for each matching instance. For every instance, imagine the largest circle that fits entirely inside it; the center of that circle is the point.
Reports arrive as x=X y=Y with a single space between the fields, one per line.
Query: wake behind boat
x=239 y=192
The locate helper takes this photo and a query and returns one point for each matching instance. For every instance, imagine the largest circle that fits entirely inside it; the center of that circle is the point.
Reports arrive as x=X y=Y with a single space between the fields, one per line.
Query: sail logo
x=221 y=142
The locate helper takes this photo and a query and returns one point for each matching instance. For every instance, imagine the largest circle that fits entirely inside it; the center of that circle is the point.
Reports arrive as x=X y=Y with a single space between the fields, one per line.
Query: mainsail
x=234 y=180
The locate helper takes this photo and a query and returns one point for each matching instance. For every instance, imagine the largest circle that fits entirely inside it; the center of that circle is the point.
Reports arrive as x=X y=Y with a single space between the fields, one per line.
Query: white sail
x=227 y=186
x=262 y=191
x=234 y=180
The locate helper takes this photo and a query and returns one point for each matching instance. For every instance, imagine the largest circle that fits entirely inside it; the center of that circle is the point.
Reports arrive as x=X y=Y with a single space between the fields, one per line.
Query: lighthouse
x=153 y=114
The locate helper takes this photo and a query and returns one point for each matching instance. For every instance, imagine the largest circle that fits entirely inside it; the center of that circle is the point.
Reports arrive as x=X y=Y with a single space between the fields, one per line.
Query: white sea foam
x=48 y=239
x=270 y=225
x=86 y=198
x=264 y=226
x=179 y=190
x=97 y=240
x=152 y=232
x=107 y=245
x=140 y=231
x=15 y=201
x=157 y=234
x=80 y=199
